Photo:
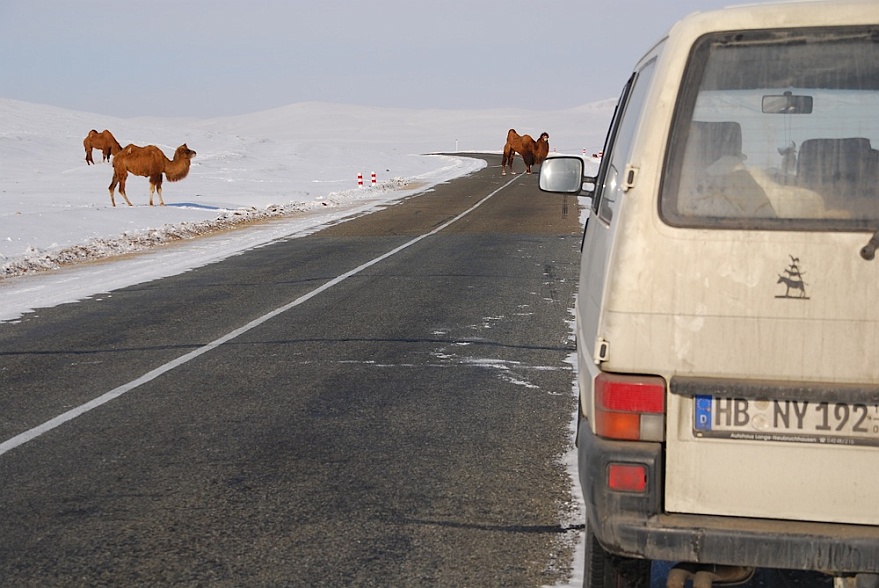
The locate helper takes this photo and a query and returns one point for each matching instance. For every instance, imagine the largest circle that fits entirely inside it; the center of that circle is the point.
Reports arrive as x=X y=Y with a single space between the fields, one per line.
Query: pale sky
x=208 y=58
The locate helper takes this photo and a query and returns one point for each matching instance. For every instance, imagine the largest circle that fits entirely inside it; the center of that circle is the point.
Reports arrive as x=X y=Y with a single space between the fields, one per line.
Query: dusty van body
x=727 y=322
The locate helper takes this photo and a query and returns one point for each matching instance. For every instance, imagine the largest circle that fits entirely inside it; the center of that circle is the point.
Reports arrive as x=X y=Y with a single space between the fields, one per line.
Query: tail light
x=630 y=407
x=627 y=477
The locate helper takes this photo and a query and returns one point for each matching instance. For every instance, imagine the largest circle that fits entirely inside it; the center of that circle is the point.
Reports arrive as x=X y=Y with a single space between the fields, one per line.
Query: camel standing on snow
x=105 y=141
x=151 y=163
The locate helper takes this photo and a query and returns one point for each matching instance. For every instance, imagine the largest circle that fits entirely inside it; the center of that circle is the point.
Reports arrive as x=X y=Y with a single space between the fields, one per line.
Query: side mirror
x=564 y=175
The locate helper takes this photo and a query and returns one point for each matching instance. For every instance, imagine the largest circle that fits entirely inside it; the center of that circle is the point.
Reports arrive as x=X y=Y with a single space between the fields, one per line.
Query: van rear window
x=777 y=130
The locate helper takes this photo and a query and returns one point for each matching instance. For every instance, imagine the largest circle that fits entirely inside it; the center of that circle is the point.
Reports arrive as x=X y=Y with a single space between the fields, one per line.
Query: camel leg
x=112 y=189
x=88 y=157
x=156 y=186
x=120 y=180
x=122 y=191
x=510 y=156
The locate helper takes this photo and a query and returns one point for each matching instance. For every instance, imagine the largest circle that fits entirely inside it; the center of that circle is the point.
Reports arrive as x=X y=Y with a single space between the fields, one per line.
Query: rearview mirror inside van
x=787 y=103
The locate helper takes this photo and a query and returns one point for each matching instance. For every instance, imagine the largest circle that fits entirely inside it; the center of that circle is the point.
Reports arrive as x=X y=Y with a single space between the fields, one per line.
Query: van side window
x=777 y=130
x=619 y=142
x=608 y=145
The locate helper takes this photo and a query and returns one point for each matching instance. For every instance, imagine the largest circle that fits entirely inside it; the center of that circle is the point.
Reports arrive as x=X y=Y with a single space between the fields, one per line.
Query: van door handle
x=629 y=177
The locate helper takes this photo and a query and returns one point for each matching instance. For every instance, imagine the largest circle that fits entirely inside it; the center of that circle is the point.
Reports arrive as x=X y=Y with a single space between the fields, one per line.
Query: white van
x=728 y=310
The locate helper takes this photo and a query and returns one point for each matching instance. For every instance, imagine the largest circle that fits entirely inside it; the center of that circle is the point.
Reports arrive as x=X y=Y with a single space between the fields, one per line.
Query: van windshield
x=777 y=130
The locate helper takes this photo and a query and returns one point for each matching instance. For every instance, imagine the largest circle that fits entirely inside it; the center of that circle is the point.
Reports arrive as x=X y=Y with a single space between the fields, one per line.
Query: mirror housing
x=563 y=174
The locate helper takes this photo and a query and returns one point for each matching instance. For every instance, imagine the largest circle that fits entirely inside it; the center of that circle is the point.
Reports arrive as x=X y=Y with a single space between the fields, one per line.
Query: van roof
x=801 y=13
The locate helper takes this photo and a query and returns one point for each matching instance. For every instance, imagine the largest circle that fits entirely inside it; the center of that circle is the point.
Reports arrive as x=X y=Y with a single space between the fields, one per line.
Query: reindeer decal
x=793 y=280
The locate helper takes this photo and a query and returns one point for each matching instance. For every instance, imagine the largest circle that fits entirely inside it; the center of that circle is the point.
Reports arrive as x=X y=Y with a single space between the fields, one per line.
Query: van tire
x=604 y=570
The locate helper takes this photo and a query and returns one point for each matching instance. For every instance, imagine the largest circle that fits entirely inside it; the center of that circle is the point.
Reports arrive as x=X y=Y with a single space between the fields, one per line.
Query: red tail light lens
x=630 y=407
x=624 y=477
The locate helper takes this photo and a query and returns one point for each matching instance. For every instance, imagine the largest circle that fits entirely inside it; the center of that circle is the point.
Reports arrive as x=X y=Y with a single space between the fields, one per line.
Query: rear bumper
x=634 y=524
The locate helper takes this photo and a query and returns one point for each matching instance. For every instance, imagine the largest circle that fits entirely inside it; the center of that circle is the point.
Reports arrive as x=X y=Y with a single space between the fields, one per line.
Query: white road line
x=35 y=432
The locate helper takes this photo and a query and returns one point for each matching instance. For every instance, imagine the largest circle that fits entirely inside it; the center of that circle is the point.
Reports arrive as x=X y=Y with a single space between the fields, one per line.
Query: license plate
x=795 y=421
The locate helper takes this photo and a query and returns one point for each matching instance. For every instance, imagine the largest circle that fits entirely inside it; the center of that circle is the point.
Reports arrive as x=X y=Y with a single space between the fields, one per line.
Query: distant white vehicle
x=727 y=317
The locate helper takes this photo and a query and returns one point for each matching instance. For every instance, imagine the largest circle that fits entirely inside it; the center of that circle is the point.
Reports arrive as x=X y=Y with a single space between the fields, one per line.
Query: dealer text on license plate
x=798 y=421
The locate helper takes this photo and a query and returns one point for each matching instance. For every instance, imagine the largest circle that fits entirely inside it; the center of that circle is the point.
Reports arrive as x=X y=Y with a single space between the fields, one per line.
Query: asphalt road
x=382 y=403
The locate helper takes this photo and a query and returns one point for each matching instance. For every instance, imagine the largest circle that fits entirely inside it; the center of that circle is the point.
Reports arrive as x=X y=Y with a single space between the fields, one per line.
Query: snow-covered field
x=295 y=167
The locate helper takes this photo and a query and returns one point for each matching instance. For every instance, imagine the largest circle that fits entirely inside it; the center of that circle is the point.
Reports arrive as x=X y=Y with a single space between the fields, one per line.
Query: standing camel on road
x=532 y=152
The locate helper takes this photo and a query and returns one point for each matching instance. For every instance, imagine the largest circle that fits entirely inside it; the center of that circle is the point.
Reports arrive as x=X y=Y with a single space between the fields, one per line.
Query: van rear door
x=770 y=190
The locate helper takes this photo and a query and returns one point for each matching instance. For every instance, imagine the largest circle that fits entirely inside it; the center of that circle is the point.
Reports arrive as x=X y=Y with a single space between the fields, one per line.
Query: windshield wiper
x=868 y=251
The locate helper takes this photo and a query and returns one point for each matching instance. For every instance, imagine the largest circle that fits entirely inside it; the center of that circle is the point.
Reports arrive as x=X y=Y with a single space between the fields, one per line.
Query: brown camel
x=105 y=141
x=151 y=163
x=532 y=152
